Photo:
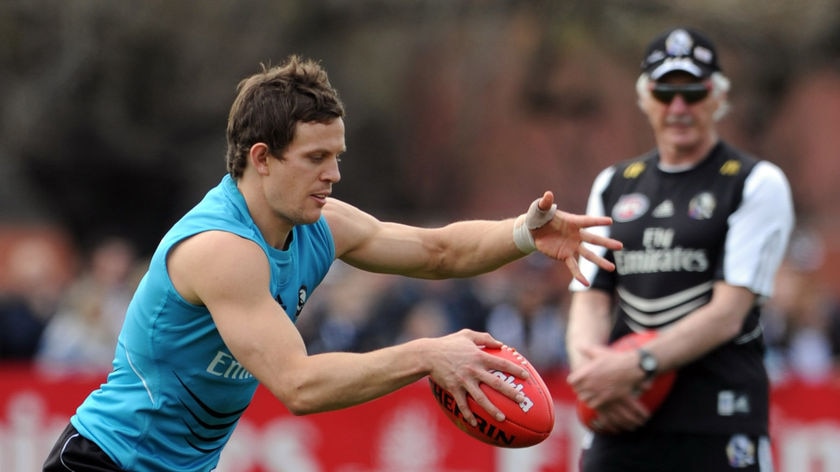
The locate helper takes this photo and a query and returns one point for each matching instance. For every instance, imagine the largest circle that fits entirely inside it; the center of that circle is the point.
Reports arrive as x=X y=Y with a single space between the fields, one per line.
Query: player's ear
x=259 y=156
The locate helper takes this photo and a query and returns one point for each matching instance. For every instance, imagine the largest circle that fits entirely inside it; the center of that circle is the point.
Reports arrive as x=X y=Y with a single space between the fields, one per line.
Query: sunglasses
x=691 y=93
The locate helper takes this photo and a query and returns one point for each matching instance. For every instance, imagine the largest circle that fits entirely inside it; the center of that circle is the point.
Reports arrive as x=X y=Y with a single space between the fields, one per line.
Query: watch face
x=648 y=363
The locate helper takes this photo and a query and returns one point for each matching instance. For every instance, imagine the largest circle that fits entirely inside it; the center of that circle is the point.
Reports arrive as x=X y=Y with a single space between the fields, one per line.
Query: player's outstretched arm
x=464 y=248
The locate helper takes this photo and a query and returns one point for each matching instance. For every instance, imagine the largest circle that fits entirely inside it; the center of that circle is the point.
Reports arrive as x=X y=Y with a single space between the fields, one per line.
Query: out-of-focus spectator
x=35 y=271
x=335 y=321
x=802 y=321
x=450 y=304
x=428 y=318
x=83 y=333
x=532 y=317
x=361 y=311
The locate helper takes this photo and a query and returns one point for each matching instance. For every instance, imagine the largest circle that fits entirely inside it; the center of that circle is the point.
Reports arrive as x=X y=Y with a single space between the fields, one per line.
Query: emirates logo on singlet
x=660 y=254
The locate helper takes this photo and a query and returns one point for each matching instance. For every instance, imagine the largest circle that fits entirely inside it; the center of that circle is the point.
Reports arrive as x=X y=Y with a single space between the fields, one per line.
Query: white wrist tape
x=534 y=219
x=522 y=237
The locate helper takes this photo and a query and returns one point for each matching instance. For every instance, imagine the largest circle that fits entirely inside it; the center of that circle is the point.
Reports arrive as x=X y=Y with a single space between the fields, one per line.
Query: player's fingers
x=574 y=268
x=602 y=422
x=496 y=363
x=500 y=381
x=625 y=418
x=475 y=391
x=600 y=261
x=585 y=221
x=624 y=415
x=639 y=409
x=602 y=425
x=460 y=396
x=546 y=201
x=483 y=339
x=599 y=240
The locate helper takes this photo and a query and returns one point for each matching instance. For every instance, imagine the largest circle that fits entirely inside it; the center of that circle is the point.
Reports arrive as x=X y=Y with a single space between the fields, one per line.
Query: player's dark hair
x=269 y=105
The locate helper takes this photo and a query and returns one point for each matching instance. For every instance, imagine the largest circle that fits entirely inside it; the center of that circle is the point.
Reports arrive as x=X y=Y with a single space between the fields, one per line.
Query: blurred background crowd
x=112 y=125
x=67 y=321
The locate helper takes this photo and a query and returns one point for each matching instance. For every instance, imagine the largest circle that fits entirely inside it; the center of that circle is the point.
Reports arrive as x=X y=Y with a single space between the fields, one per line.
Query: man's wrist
x=648 y=363
x=534 y=218
x=522 y=237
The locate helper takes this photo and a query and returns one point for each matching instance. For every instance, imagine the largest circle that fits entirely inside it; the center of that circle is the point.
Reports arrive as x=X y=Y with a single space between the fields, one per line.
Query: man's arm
x=605 y=375
x=588 y=325
x=230 y=276
x=587 y=335
x=461 y=249
x=606 y=379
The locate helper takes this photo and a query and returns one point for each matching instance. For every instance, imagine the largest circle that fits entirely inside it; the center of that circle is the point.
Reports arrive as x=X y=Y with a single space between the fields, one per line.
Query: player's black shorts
x=74 y=452
x=670 y=452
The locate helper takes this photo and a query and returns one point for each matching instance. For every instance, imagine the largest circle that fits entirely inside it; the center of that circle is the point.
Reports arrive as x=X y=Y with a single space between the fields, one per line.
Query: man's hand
x=607 y=382
x=605 y=375
x=461 y=366
x=622 y=414
x=562 y=236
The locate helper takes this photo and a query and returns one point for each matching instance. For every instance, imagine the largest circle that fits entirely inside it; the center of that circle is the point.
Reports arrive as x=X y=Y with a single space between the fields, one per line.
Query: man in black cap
x=704 y=227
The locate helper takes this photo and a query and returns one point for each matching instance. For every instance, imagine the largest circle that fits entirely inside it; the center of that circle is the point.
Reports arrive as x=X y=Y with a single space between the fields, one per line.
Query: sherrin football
x=651 y=398
x=526 y=423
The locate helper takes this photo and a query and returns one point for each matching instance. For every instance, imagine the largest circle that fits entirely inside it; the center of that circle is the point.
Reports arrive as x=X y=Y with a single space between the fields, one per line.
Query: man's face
x=300 y=182
x=680 y=112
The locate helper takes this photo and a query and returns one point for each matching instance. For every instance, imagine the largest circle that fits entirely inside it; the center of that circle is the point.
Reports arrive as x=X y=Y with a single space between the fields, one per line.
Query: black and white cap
x=680 y=49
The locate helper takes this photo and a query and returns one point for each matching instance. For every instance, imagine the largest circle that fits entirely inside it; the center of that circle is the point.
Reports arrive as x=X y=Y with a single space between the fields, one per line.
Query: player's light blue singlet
x=176 y=393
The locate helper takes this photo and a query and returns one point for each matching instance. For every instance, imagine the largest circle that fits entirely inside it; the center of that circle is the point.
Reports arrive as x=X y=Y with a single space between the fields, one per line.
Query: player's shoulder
x=213 y=262
x=349 y=226
x=737 y=162
x=215 y=248
x=622 y=173
x=733 y=161
x=632 y=168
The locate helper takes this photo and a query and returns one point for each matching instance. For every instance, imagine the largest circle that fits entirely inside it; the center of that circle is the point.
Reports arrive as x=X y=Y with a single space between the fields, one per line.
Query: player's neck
x=274 y=230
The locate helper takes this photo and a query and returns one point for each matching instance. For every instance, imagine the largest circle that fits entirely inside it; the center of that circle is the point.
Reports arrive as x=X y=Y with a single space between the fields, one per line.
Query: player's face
x=300 y=182
x=681 y=112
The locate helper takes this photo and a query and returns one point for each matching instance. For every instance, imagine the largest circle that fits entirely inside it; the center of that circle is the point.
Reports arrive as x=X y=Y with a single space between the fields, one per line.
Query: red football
x=653 y=397
x=526 y=423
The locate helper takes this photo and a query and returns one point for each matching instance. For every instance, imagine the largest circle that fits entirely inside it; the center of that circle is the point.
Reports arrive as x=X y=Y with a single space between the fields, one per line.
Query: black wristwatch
x=648 y=364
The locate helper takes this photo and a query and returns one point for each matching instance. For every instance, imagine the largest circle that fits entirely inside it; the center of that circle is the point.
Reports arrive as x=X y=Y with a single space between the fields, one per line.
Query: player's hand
x=622 y=414
x=619 y=408
x=462 y=366
x=606 y=376
x=562 y=237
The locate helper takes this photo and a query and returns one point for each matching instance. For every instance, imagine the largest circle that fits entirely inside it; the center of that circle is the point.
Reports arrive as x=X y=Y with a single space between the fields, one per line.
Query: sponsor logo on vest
x=302 y=295
x=730 y=167
x=629 y=207
x=702 y=206
x=224 y=365
x=664 y=210
x=660 y=256
x=730 y=403
x=634 y=170
x=740 y=451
